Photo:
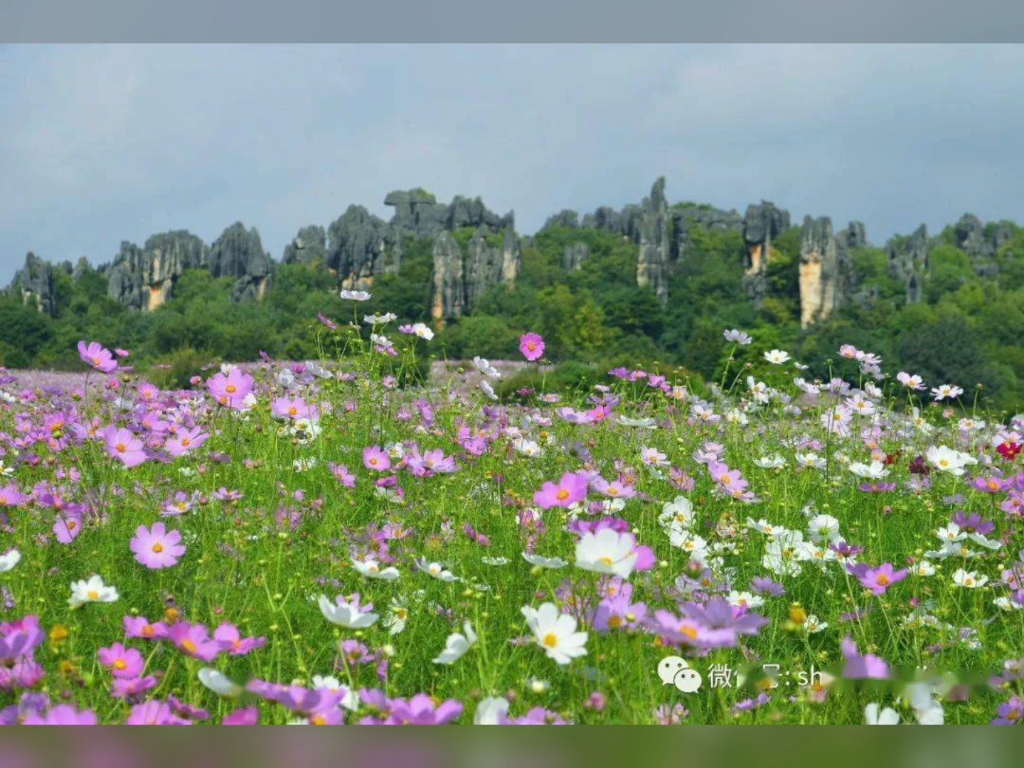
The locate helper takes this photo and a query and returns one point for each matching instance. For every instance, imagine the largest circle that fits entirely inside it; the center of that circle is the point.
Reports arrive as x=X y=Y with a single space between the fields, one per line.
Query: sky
x=100 y=144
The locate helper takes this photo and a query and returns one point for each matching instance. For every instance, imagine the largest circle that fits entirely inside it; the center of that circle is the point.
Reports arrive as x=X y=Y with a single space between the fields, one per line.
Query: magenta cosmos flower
x=532 y=346
x=376 y=458
x=97 y=357
x=231 y=389
x=124 y=446
x=156 y=547
x=879 y=579
x=566 y=492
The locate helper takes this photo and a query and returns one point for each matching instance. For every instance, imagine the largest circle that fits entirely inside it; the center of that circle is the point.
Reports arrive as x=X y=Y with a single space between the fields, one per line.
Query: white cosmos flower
x=874 y=471
x=436 y=570
x=744 y=600
x=93 y=590
x=923 y=568
x=423 y=331
x=824 y=528
x=219 y=683
x=607 y=551
x=770 y=462
x=355 y=295
x=527 y=447
x=544 y=562
x=8 y=561
x=874 y=716
x=329 y=682
x=491 y=711
x=968 y=579
x=488 y=390
x=456 y=645
x=776 y=356
x=810 y=460
x=813 y=625
x=948 y=460
x=372 y=570
x=642 y=423
x=484 y=366
x=345 y=614
x=398 y=616
x=556 y=633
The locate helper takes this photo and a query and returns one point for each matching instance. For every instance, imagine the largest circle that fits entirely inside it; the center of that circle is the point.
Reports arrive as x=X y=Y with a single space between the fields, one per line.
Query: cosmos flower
x=879 y=579
x=946 y=392
x=372 y=570
x=156 y=547
x=456 y=645
x=607 y=551
x=347 y=613
x=91 y=590
x=124 y=446
x=776 y=356
x=555 y=633
x=532 y=346
x=231 y=389
x=737 y=336
x=355 y=295
x=571 y=489
x=9 y=560
x=97 y=357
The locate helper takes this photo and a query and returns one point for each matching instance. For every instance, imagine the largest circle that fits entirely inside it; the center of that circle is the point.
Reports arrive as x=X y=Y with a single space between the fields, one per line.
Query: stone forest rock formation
x=472 y=250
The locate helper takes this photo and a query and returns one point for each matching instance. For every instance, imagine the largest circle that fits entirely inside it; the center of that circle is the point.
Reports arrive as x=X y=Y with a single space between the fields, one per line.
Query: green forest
x=966 y=330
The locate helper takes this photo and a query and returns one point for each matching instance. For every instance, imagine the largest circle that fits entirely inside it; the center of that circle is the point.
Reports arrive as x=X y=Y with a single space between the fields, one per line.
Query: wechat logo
x=673 y=670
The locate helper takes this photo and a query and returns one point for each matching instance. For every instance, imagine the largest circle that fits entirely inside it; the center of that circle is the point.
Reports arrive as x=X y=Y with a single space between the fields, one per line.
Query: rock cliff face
x=819 y=271
x=653 y=259
x=908 y=261
x=239 y=253
x=574 y=256
x=142 y=278
x=34 y=283
x=307 y=247
x=761 y=224
x=981 y=243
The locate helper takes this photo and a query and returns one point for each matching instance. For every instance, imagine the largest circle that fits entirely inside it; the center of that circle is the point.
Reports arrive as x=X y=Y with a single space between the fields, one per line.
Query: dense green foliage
x=967 y=330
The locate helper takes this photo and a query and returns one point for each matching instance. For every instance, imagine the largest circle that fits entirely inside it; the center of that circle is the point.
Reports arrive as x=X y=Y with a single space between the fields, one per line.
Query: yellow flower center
x=606 y=561
x=158 y=548
x=92 y=594
x=231 y=389
x=120 y=664
x=882 y=580
x=562 y=495
x=189 y=646
x=550 y=640
x=120 y=448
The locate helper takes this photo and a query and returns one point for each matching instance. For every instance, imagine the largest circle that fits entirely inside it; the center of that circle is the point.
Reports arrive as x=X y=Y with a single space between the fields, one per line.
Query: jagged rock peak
x=823 y=271
x=34 y=283
x=142 y=278
x=653 y=257
x=307 y=247
x=574 y=256
x=908 y=261
x=566 y=218
x=239 y=253
x=764 y=223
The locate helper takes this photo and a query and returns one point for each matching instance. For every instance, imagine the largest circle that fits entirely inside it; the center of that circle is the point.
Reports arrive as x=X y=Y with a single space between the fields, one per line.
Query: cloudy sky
x=100 y=144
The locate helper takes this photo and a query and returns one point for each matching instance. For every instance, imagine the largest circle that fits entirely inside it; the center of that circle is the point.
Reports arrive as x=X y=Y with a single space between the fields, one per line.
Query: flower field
x=340 y=542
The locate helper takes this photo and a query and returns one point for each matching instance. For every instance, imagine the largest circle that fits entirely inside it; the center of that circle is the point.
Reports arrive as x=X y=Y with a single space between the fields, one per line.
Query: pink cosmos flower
x=124 y=446
x=342 y=475
x=230 y=639
x=97 y=357
x=532 y=346
x=193 y=640
x=879 y=579
x=123 y=662
x=376 y=458
x=292 y=408
x=231 y=390
x=139 y=626
x=156 y=547
x=185 y=441
x=67 y=526
x=569 y=490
